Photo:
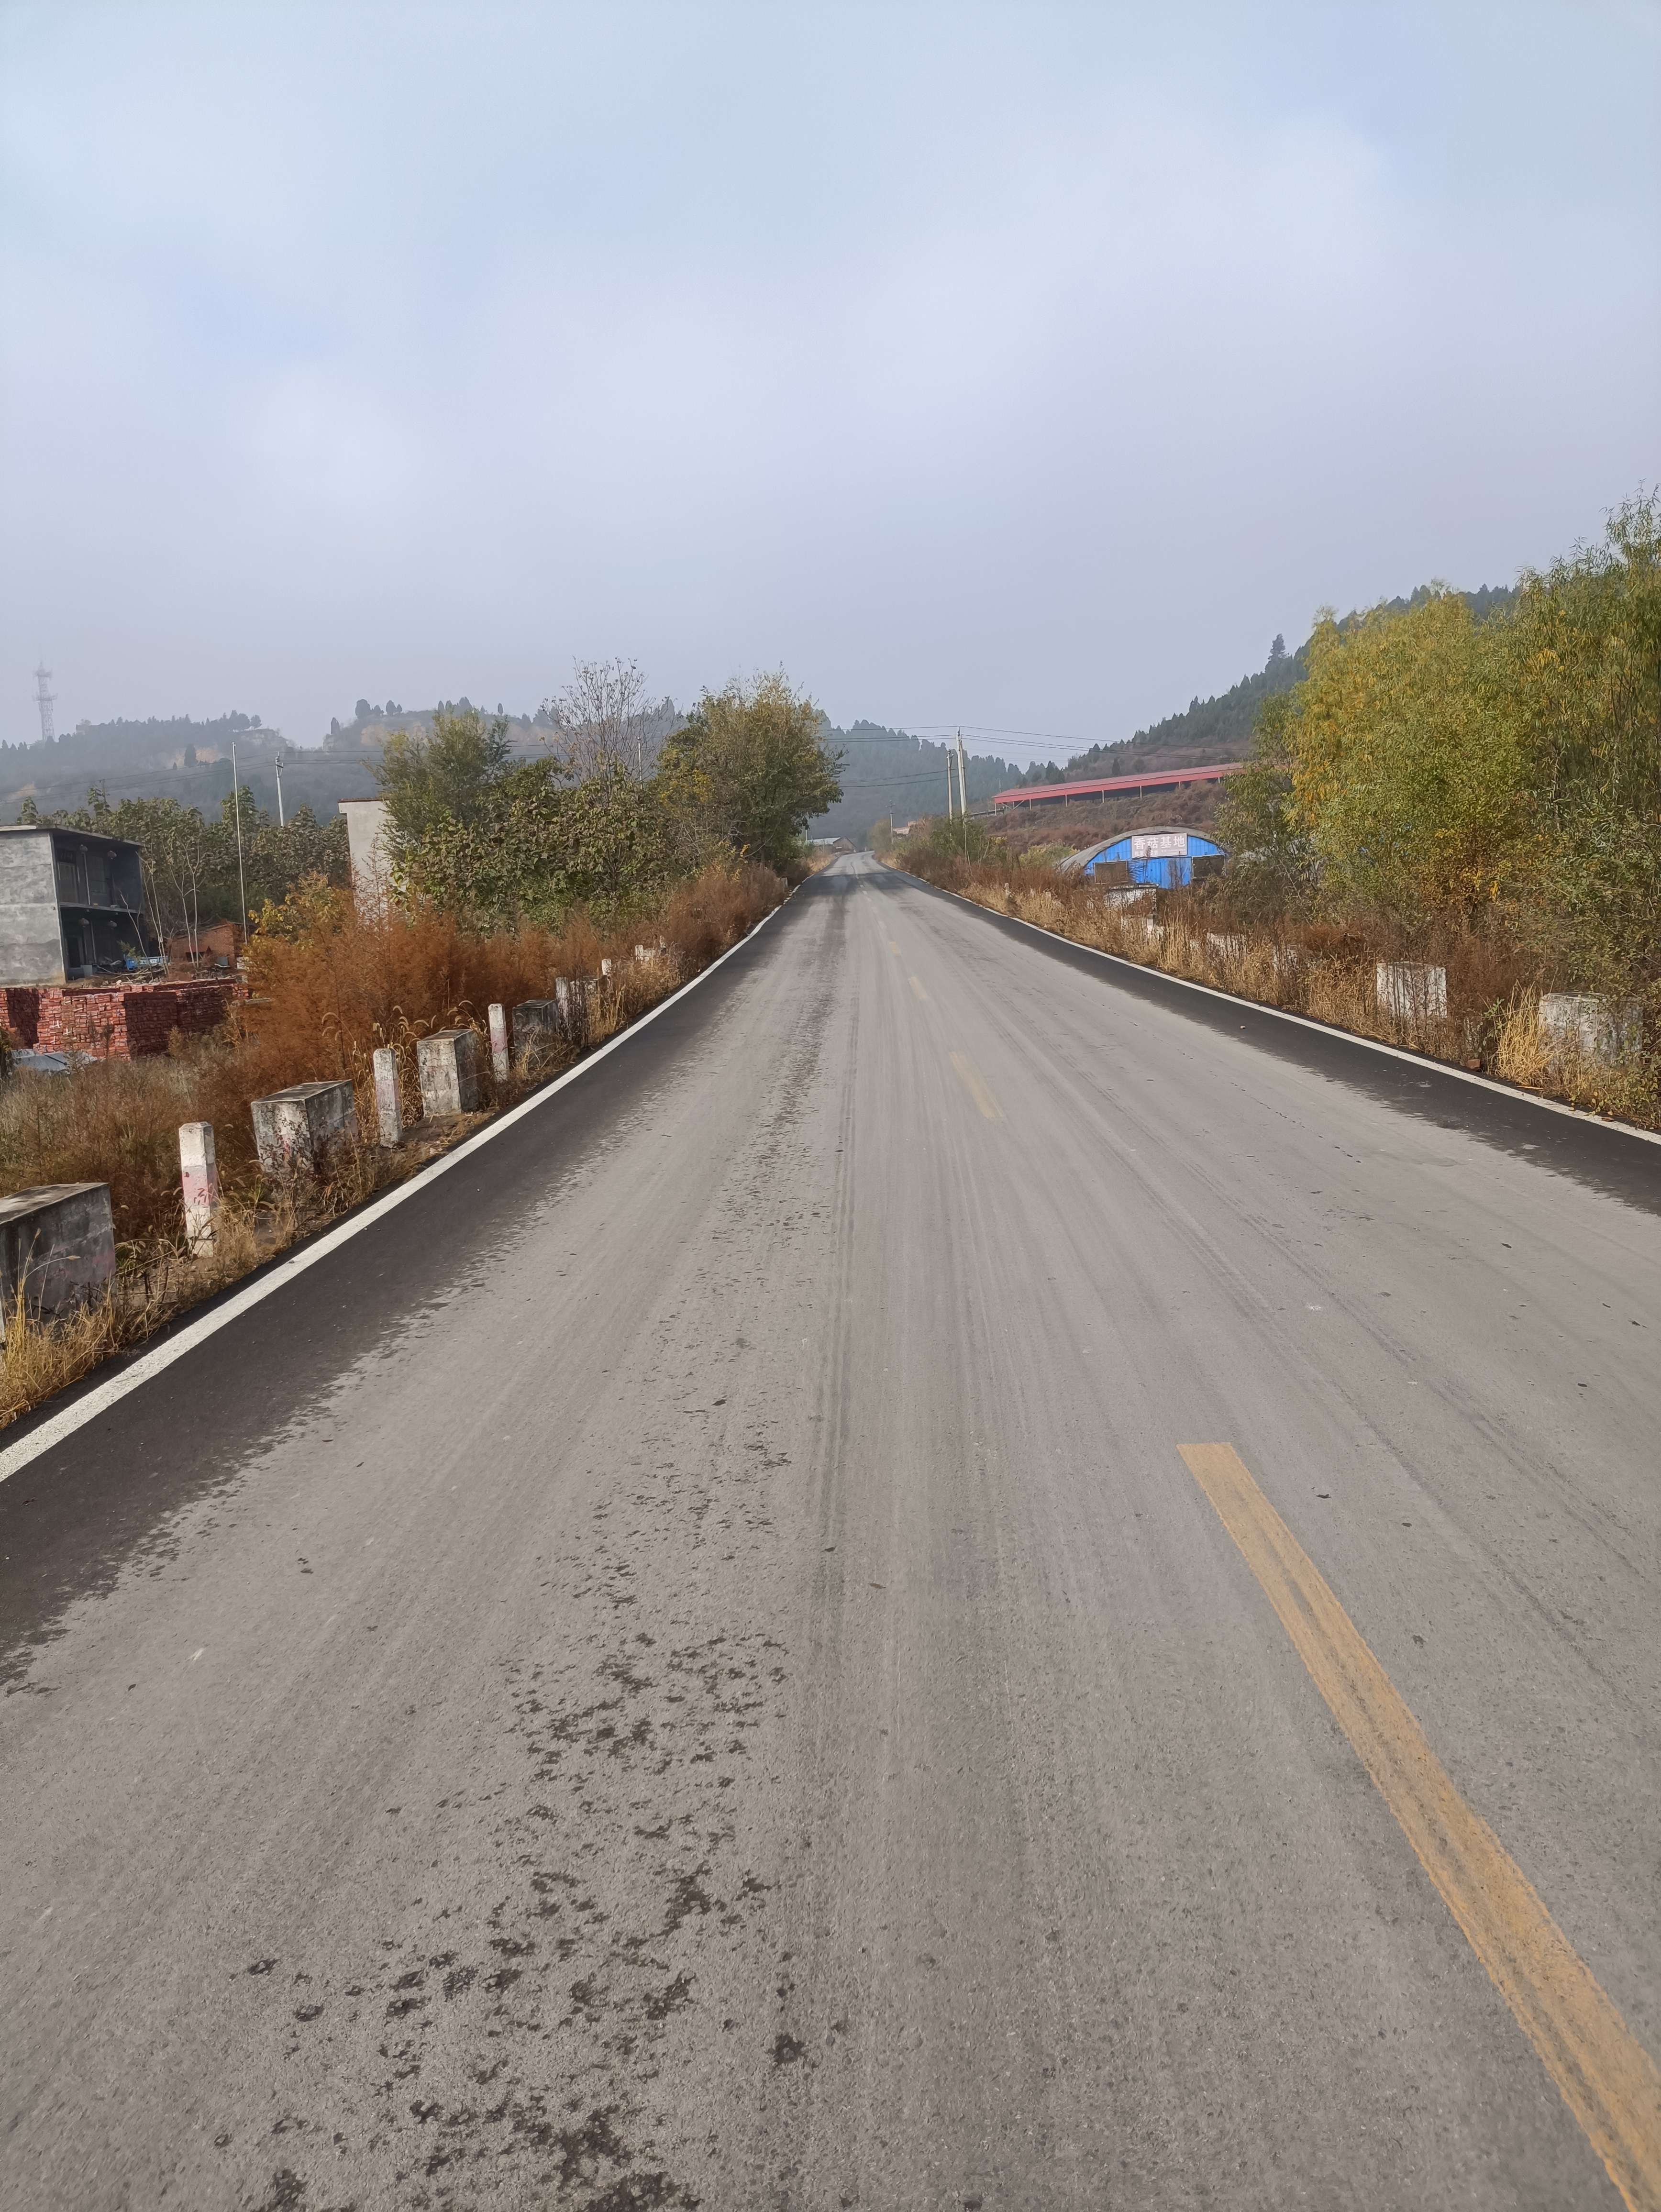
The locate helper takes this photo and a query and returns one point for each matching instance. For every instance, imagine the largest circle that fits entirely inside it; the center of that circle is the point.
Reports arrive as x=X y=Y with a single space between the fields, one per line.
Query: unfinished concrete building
x=71 y=905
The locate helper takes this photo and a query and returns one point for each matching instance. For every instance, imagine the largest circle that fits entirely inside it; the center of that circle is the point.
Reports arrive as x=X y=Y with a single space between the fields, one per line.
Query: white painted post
x=498 y=1021
x=198 y=1172
x=389 y=1110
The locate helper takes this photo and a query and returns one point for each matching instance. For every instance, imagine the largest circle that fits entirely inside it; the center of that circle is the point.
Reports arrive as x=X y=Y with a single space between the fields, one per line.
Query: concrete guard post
x=57 y=1247
x=1596 y=1029
x=199 y=1174
x=448 y=1068
x=539 y=1024
x=295 y=1131
x=388 y=1105
x=498 y=1021
x=1412 y=993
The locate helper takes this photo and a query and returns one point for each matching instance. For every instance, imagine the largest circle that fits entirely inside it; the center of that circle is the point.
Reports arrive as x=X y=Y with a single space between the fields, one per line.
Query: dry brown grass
x=329 y=987
x=1328 y=972
x=46 y=1356
x=1623 y=1088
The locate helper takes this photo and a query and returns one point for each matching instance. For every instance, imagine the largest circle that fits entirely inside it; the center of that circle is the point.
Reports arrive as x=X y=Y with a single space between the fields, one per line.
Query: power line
x=869 y=735
x=985 y=729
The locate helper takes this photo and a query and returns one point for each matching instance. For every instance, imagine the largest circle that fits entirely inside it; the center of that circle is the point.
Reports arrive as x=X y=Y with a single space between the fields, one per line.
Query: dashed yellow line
x=918 y=988
x=1608 y=2080
x=976 y=1089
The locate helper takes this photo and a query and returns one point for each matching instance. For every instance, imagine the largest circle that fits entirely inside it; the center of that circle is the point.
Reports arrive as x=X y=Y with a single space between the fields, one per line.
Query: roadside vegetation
x=627 y=883
x=189 y=860
x=1454 y=783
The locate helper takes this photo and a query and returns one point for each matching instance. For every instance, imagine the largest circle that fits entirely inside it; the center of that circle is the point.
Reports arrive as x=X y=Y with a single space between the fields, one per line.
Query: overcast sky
x=1026 y=367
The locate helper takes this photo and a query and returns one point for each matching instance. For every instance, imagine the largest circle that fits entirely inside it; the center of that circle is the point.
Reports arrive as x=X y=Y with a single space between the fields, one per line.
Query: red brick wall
x=19 y=1010
x=122 y=1021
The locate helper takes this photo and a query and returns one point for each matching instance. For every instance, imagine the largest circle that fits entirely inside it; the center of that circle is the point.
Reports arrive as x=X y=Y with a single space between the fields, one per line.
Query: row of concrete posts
x=297 y=1130
x=57 y=1241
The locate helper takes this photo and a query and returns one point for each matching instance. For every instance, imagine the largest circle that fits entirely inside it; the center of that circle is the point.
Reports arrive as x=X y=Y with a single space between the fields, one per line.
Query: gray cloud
x=1024 y=365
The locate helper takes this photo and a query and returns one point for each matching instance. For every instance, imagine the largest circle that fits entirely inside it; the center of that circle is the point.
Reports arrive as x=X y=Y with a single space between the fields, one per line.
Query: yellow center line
x=918 y=988
x=1608 y=2080
x=977 y=1091
x=892 y=946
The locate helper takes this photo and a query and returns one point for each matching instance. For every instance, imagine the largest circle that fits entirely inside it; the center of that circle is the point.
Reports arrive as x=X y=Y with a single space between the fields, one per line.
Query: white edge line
x=1517 y=1096
x=52 y=1431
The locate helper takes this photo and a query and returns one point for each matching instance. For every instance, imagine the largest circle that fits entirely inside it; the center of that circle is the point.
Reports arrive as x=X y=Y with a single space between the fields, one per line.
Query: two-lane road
x=688 y=1665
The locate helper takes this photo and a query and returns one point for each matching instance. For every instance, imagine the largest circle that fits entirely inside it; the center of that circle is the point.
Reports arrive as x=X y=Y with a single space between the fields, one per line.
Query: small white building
x=369 y=845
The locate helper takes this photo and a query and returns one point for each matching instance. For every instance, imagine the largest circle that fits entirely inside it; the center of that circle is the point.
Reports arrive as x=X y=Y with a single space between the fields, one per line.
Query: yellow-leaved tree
x=1409 y=757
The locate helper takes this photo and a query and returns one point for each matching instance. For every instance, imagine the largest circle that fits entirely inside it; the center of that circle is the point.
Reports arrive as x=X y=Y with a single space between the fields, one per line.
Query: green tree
x=1488 y=760
x=449 y=775
x=965 y=835
x=537 y=847
x=1271 y=869
x=1589 y=633
x=1395 y=779
x=751 y=768
x=1411 y=760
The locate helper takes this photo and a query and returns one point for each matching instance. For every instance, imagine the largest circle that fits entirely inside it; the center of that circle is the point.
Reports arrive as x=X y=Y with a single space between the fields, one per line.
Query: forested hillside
x=98 y=748
x=1220 y=728
x=886 y=773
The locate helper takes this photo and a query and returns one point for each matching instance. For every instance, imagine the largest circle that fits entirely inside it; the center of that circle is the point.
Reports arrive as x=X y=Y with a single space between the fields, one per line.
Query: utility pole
x=44 y=700
x=236 y=808
x=276 y=763
x=948 y=783
x=963 y=776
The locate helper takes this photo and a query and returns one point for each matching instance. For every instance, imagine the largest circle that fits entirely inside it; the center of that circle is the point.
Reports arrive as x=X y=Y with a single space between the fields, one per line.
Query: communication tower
x=44 y=700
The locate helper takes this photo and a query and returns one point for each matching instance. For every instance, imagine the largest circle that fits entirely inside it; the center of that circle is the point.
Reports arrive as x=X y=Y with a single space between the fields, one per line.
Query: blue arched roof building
x=1161 y=857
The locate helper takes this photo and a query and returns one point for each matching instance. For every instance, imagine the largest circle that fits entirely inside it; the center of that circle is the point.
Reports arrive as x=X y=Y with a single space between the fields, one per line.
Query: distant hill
x=886 y=773
x=166 y=756
x=371 y=725
x=1219 y=728
x=1206 y=730
x=98 y=748
x=172 y=756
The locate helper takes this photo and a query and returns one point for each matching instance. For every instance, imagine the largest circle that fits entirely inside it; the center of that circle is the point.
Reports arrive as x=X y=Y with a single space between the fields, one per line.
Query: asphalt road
x=687 y=1666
